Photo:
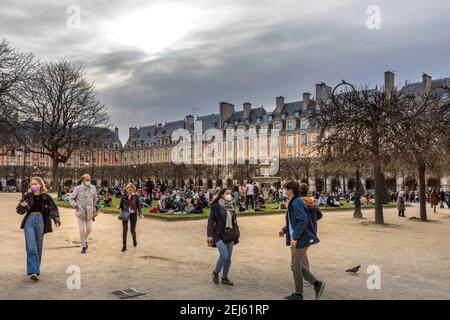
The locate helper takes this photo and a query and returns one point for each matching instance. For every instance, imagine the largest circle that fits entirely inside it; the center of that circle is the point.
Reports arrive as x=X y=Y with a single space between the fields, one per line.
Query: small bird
x=353 y=270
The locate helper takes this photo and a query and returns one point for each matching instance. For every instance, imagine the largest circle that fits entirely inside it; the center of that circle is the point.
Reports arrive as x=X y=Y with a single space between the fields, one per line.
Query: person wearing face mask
x=39 y=209
x=130 y=203
x=84 y=200
x=300 y=235
x=223 y=233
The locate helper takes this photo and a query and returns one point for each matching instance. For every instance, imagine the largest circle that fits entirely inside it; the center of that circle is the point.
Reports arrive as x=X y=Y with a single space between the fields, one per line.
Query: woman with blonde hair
x=130 y=209
x=39 y=209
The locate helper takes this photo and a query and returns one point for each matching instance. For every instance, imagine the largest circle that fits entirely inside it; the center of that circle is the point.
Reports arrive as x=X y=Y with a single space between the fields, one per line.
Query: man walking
x=150 y=186
x=249 y=196
x=300 y=235
x=84 y=201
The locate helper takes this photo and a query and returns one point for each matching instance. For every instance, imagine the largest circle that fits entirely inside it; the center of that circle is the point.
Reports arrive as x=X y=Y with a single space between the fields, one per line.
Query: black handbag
x=231 y=235
x=124 y=215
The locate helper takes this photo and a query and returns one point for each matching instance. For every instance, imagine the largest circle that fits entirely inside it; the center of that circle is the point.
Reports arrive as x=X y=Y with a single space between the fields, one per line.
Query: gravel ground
x=172 y=260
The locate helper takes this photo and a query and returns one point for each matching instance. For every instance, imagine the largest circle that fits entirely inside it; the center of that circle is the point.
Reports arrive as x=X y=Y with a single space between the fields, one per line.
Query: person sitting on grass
x=107 y=201
x=323 y=200
x=197 y=205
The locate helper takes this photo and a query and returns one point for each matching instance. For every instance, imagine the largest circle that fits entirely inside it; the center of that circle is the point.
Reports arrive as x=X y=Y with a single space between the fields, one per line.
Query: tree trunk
x=55 y=173
x=422 y=198
x=378 y=175
x=358 y=212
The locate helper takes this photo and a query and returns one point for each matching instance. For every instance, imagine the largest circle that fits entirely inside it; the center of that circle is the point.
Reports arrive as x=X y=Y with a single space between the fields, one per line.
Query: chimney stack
x=133 y=131
x=323 y=92
x=426 y=84
x=116 y=130
x=279 y=105
x=306 y=100
x=247 y=109
x=226 y=110
x=189 y=122
x=389 y=83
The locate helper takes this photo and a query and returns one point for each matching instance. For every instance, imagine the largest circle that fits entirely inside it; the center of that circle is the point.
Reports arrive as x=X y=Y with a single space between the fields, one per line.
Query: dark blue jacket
x=304 y=232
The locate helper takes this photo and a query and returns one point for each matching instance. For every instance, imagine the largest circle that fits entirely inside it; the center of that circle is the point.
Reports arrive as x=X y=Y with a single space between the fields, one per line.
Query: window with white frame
x=304 y=124
x=304 y=139
x=290 y=141
x=290 y=125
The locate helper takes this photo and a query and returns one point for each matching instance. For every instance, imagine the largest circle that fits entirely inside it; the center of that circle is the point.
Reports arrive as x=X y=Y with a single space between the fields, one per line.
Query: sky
x=156 y=61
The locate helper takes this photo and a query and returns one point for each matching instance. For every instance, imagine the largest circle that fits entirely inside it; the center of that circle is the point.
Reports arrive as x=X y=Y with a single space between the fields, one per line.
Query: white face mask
x=87 y=183
x=228 y=197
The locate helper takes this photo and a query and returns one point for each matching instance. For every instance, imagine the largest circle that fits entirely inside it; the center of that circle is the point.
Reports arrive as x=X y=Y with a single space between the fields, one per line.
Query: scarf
x=228 y=205
x=309 y=201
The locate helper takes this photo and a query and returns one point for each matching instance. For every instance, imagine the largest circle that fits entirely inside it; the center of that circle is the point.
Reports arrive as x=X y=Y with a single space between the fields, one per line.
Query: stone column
x=312 y=183
x=445 y=183
x=341 y=181
x=399 y=183
x=329 y=183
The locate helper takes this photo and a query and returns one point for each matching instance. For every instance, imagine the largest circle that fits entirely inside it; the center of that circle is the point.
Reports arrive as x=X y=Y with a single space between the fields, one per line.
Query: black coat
x=49 y=211
x=124 y=206
x=217 y=221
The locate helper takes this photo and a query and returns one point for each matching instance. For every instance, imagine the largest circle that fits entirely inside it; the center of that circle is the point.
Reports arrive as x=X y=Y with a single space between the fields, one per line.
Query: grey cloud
x=261 y=50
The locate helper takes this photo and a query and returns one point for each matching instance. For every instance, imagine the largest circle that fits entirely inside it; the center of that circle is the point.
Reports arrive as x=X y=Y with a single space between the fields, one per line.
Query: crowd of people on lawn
x=160 y=198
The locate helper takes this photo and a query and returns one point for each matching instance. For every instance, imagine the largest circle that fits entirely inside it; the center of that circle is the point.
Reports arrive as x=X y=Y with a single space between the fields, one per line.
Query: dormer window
x=236 y=122
x=304 y=124
x=290 y=125
x=258 y=120
x=283 y=116
x=225 y=123
x=269 y=118
x=297 y=114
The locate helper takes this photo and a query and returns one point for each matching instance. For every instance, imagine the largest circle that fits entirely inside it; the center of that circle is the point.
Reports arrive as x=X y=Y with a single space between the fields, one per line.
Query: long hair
x=40 y=182
x=219 y=195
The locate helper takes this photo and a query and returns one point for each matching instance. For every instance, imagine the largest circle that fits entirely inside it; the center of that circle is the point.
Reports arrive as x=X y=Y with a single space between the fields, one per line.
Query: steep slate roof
x=209 y=122
x=105 y=135
x=168 y=128
x=417 y=86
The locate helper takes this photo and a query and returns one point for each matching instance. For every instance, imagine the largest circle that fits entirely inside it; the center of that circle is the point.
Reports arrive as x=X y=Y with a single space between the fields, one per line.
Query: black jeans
x=133 y=221
x=251 y=200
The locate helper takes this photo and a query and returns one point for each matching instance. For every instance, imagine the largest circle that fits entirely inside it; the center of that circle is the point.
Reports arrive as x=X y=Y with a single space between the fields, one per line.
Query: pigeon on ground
x=353 y=270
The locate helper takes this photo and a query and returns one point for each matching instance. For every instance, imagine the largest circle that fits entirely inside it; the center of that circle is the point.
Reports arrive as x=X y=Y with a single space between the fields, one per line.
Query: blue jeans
x=34 y=238
x=224 y=261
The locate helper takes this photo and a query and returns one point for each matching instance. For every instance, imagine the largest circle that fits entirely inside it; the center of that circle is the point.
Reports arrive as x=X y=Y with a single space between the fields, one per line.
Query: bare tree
x=16 y=69
x=425 y=140
x=62 y=108
x=356 y=125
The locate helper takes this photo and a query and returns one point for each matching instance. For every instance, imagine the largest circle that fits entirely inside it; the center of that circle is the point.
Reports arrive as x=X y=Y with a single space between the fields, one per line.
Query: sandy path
x=172 y=260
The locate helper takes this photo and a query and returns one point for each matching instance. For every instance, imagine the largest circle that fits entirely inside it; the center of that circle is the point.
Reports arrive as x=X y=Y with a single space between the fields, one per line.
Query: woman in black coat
x=39 y=209
x=130 y=203
x=223 y=233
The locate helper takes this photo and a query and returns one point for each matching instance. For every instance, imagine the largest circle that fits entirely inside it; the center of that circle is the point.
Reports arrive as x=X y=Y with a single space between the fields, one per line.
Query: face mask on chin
x=87 y=183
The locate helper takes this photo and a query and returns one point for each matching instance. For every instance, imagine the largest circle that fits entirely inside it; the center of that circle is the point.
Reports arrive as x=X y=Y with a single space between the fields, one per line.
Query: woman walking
x=39 y=209
x=131 y=208
x=223 y=233
x=401 y=204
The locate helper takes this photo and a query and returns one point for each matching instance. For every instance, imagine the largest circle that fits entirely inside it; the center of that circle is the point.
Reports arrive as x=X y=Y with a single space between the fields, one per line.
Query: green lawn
x=270 y=209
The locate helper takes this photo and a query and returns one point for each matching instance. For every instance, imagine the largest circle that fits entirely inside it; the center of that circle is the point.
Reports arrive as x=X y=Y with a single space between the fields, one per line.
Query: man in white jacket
x=84 y=201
